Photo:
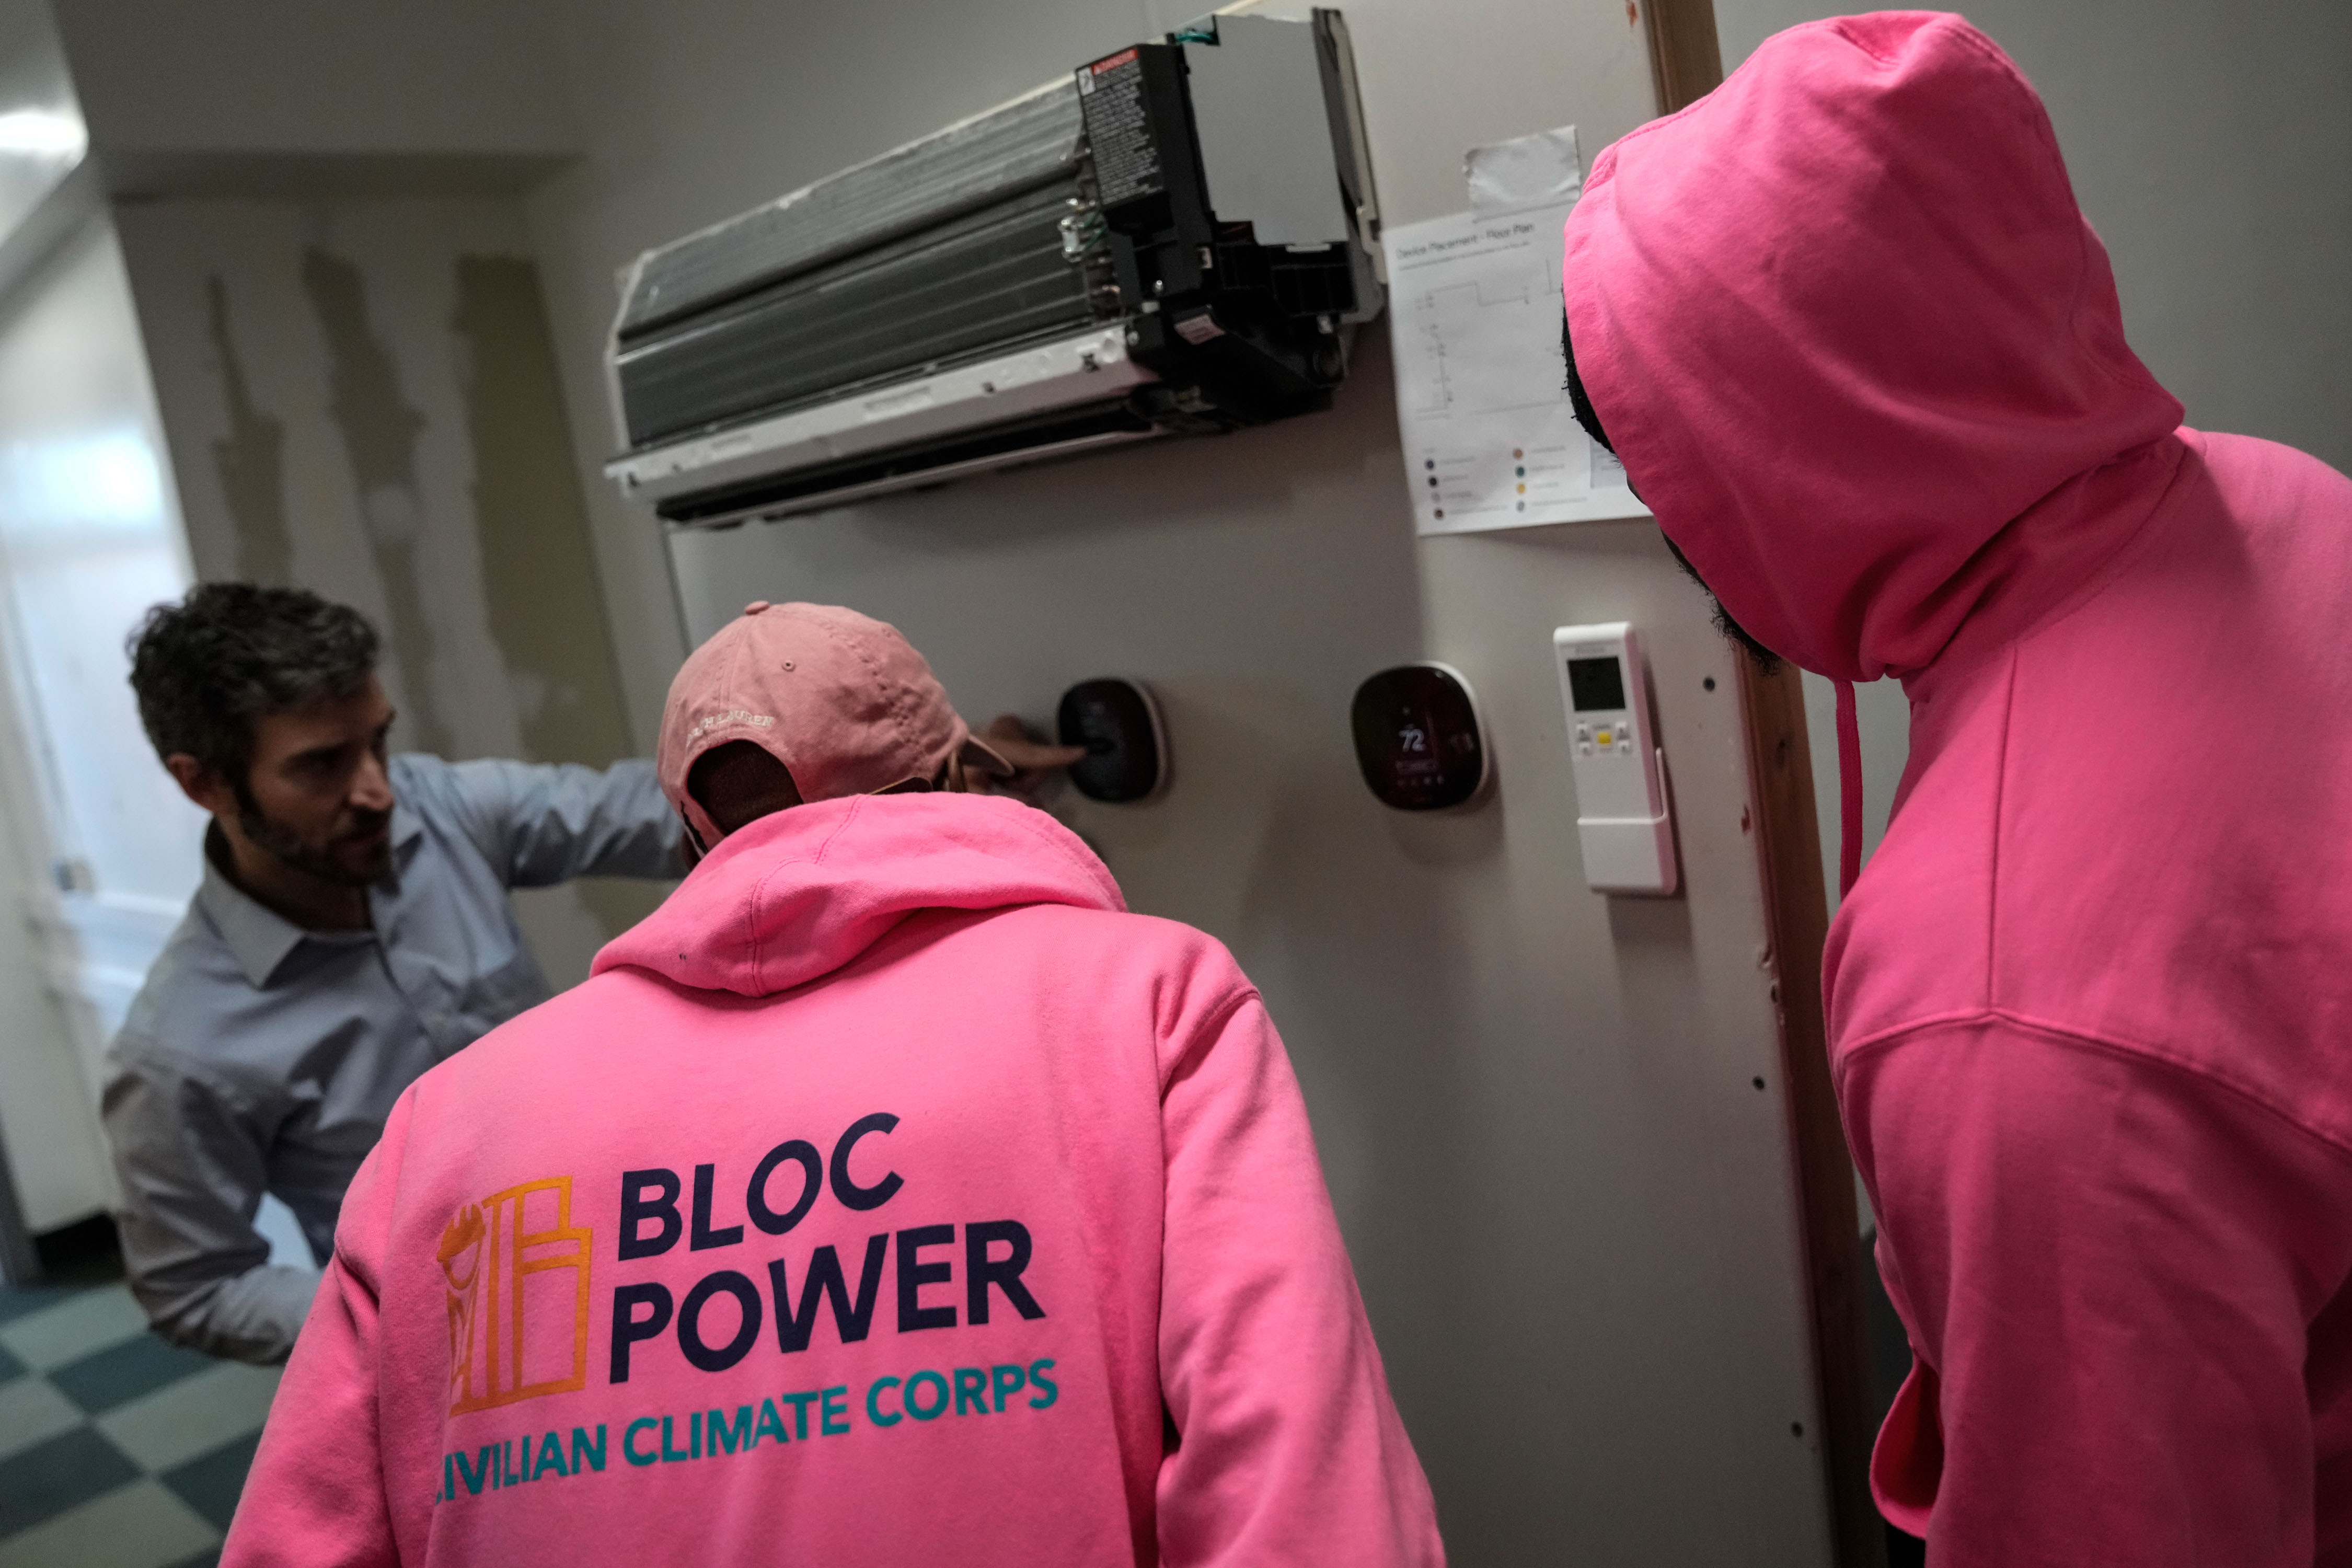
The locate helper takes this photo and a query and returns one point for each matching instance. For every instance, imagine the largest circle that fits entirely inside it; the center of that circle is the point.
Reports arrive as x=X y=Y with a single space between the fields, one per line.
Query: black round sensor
x=1119 y=724
x=1418 y=739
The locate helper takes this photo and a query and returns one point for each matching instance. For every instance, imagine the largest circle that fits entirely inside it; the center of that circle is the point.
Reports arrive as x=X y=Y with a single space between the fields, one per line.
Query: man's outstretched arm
x=542 y=824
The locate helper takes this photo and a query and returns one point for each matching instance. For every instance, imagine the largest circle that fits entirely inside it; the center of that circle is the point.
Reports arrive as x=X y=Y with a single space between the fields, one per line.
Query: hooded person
x=890 y=1195
x=2091 y=1006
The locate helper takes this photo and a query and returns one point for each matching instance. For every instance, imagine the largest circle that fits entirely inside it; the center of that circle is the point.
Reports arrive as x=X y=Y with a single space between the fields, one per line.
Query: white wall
x=88 y=538
x=2209 y=142
x=1567 y=1198
x=33 y=78
x=46 y=1127
x=292 y=76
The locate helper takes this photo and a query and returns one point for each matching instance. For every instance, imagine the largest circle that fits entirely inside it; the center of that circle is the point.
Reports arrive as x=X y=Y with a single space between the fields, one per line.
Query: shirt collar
x=407 y=828
x=258 y=937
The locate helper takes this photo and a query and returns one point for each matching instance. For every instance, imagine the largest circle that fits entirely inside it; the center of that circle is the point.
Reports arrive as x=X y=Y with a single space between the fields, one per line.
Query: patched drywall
x=535 y=566
x=360 y=397
x=379 y=431
x=249 y=460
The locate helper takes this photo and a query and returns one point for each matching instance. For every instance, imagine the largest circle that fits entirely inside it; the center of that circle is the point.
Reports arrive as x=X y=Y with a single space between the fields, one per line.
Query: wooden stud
x=1686 y=64
x=1796 y=911
x=1686 y=61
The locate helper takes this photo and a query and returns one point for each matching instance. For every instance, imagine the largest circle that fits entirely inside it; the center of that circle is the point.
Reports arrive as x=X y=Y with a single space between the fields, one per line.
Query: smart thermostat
x=1418 y=738
x=1624 y=822
x=1126 y=748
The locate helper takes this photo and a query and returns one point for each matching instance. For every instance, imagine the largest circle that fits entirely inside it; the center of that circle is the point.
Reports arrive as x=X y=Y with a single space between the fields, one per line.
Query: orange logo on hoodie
x=517 y=1272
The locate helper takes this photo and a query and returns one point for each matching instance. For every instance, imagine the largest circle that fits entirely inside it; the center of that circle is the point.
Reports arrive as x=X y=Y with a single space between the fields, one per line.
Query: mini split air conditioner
x=1177 y=240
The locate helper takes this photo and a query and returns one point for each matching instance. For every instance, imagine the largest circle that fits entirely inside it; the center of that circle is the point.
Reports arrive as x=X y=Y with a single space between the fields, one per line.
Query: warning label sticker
x=1199 y=329
x=1127 y=160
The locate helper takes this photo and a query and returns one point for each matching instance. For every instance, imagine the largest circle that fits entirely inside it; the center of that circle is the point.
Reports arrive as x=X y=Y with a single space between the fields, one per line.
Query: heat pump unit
x=1177 y=239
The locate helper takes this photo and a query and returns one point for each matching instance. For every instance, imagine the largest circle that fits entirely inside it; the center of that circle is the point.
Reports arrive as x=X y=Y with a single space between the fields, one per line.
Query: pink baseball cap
x=840 y=699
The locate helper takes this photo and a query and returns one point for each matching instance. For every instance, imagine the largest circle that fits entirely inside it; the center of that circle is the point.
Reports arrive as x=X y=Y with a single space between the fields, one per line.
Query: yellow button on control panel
x=1605 y=737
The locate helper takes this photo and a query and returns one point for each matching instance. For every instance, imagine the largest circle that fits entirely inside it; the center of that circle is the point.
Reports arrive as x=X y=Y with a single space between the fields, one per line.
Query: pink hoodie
x=2091 y=1006
x=890 y=1196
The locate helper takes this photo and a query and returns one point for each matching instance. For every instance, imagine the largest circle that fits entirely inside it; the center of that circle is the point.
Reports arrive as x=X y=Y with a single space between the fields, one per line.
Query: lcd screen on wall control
x=1596 y=685
x=1624 y=826
x=1417 y=738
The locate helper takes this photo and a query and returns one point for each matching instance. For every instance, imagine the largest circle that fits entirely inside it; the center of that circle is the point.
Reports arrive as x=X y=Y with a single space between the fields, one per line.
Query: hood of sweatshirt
x=1858 y=348
x=803 y=892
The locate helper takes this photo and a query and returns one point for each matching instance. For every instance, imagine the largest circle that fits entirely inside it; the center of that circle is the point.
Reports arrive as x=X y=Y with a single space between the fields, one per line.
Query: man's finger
x=1035 y=757
x=1020 y=745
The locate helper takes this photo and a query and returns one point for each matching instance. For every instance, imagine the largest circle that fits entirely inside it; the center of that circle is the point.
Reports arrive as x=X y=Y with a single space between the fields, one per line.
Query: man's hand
x=1035 y=760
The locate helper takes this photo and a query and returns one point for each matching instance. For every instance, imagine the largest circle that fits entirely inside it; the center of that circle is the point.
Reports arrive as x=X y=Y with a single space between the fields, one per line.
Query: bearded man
x=352 y=930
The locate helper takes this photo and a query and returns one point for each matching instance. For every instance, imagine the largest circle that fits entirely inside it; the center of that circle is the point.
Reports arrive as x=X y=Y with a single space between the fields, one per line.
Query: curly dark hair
x=229 y=653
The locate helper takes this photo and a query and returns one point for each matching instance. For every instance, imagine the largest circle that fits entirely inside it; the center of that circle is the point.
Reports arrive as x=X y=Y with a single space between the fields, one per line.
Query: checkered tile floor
x=116 y=1449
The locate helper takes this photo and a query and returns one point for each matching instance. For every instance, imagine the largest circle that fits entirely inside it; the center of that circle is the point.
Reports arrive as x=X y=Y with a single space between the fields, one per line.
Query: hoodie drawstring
x=1849 y=731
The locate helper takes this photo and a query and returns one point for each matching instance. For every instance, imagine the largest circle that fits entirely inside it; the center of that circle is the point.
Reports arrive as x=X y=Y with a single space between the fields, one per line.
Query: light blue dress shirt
x=262 y=1057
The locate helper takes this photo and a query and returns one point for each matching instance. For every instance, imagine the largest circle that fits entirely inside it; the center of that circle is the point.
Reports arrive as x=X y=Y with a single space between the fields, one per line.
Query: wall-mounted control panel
x=1623 y=822
x=1418 y=739
x=1127 y=746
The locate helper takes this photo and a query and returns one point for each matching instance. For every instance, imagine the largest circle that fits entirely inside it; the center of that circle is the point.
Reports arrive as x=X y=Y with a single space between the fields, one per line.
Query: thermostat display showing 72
x=1623 y=820
x=1418 y=739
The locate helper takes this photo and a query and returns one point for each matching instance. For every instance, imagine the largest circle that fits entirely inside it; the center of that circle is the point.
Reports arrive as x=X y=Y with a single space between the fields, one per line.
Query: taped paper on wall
x=1544 y=170
x=1489 y=438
